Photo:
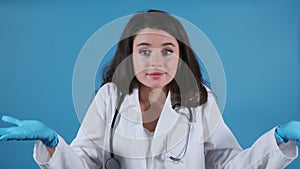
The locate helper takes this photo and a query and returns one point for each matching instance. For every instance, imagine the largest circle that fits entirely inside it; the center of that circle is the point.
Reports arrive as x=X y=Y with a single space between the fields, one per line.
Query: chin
x=156 y=86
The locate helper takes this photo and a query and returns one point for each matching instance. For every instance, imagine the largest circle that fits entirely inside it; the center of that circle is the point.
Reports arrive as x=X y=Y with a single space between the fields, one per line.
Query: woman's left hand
x=288 y=131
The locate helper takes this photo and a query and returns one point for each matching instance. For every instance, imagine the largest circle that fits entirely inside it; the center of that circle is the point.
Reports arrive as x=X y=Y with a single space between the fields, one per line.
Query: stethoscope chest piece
x=112 y=163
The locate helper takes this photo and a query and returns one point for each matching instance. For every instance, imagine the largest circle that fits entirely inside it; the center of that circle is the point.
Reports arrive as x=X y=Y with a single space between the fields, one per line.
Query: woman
x=154 y=111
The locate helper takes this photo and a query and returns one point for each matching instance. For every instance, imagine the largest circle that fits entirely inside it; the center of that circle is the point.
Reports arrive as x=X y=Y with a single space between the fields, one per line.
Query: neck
x=151 y=103
x=152 y=96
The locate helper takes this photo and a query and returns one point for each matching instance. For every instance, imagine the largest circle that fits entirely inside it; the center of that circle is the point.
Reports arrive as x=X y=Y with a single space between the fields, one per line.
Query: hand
x=289 y=131
x=28 y=130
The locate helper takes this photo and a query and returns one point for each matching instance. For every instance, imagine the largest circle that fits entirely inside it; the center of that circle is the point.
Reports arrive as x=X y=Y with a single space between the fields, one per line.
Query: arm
x=85 y=151
x=223 y=151
x=50 y=151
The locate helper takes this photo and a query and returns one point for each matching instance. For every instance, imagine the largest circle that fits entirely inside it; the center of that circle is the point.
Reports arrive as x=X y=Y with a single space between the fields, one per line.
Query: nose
x=156 y=60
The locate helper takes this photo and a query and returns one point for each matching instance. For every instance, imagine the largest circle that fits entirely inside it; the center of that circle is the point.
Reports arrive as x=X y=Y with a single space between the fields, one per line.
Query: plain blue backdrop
x=258 y=43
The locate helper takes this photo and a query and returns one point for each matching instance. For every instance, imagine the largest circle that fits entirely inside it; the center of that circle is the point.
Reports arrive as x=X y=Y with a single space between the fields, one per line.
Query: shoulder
x=210 y=105
x=105 y=99
x=211 y=101
x=107 y=88
x=210 y=94
x=106 y=93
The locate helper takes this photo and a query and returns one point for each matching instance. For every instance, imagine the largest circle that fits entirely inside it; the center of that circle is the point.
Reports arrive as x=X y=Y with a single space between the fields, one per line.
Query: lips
x=156 y=74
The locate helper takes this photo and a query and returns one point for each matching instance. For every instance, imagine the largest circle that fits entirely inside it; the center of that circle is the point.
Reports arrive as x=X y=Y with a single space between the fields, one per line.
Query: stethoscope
x=114 y=163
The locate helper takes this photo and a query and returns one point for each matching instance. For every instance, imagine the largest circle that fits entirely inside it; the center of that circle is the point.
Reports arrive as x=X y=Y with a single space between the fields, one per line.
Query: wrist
x=279 y=138
x=51 y=141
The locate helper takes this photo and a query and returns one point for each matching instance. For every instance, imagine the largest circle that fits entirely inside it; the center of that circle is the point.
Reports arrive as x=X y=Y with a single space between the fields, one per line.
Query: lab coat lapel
x=166 y=122
x=129 y=138
x=130 y=112
x=167 y=118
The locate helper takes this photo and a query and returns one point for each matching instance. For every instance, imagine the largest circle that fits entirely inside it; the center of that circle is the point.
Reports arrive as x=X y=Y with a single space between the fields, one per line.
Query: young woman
x=154 y=111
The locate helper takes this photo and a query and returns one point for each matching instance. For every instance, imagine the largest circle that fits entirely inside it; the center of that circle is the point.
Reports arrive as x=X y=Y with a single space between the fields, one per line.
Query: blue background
x=258 y=43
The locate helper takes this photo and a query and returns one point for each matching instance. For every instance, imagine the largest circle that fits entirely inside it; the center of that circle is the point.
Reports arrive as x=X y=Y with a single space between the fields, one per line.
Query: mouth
x=155 y=74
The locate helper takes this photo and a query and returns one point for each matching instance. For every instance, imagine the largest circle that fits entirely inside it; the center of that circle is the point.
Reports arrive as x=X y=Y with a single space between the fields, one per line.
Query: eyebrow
x=148 y=44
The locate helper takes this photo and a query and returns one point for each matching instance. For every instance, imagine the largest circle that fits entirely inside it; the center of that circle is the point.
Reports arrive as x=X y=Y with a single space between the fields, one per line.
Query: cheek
x=172 y=66
x=138 y=65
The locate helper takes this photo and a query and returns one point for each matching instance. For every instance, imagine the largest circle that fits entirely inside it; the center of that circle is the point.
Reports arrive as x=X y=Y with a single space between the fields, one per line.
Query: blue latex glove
x=289 y=131
x=28 y=130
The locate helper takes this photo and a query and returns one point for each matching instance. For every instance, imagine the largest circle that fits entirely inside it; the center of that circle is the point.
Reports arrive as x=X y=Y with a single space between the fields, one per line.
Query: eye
x=166 y=52
x=145 y=52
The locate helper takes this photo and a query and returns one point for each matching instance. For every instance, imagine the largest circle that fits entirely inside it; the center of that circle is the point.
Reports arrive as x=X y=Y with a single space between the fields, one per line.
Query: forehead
x=154 y=36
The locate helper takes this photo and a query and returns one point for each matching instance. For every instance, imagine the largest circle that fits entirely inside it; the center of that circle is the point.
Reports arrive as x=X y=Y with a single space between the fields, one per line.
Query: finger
x=5 y=137
x=3 y=131
x=9 y=137
x=11 y=120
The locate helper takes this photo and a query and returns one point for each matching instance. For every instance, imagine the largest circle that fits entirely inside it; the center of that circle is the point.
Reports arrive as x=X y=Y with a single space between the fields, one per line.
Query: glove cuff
x=279 y=138
x=51 y=143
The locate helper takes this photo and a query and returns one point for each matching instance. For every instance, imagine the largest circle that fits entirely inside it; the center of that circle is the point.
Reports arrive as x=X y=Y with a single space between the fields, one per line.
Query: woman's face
x=155 y=57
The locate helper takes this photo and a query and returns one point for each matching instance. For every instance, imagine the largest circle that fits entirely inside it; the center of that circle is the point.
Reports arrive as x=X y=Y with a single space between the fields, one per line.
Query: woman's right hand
x=28 y=130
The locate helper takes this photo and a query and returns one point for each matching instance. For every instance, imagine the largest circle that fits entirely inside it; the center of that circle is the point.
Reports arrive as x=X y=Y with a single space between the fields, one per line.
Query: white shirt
x=210 y=144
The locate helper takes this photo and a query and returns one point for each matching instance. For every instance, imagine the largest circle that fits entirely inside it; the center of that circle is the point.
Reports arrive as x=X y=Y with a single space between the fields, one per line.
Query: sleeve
x=85 y=152
x=223 y=151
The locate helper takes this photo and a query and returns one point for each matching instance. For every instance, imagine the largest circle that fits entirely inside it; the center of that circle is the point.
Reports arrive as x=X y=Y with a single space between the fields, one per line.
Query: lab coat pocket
x=171 y=164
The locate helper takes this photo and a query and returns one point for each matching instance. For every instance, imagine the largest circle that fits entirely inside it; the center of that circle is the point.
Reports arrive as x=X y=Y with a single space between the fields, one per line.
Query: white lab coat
x=211 y=144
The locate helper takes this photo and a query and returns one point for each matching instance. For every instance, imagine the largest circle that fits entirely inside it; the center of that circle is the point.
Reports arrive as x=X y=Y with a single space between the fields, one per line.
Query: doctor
x=154 y=111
